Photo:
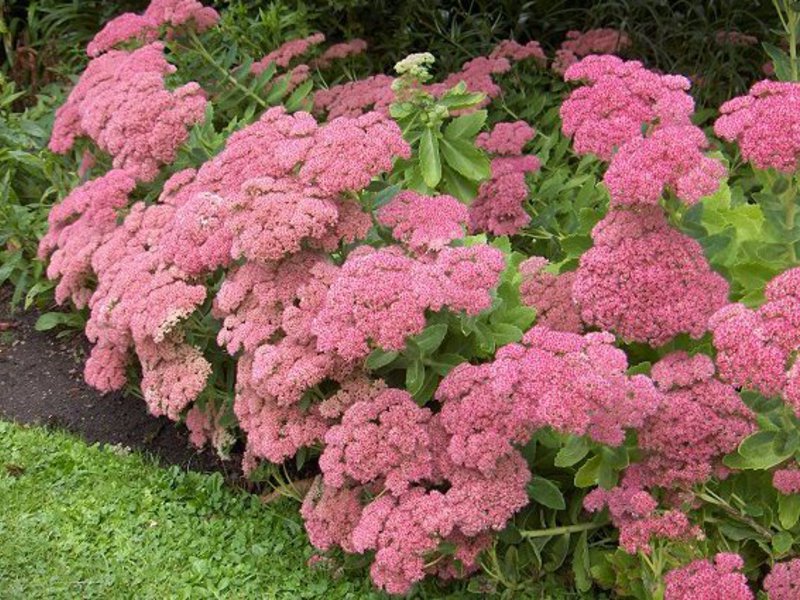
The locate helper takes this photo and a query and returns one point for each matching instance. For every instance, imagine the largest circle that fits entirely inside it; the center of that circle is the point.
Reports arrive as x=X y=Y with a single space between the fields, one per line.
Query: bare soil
x=41 y=382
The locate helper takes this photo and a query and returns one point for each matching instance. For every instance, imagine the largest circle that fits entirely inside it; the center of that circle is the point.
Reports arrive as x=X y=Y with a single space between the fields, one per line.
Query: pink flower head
x=424 y=223
x=734 y=38
x=700 y=420
x=499 y=207
x=707 y=580
x=283 y=55
x=596 y=41
x=635 y=513
x=385 y=439
x=173 y=375
x=506 y=138
x=78 y=225
x=336 y=52
x=355 y=98
x=330 y=515
x=787 y=481
x=145 y=27
x=477 y=75
x=619 y=97
x=671 y=158
x=645 y=280
x=514 y=51
x=783 y=581
x=550 y=295
x=122 y=104
x=765 y=124
x=371 y=302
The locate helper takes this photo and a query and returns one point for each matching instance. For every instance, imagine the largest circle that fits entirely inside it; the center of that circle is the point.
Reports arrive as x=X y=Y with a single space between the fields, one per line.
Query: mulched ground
x=41 y=383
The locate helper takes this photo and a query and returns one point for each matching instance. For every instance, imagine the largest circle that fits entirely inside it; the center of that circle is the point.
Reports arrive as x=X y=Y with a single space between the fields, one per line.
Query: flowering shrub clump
x=122 y=104
x=581 y=388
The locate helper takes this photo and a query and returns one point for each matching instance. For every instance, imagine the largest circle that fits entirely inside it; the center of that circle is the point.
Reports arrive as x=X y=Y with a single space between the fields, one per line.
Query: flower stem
x=198 y=45
x=537 y=533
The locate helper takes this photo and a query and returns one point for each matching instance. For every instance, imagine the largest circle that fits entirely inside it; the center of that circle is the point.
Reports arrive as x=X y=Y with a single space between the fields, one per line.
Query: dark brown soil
x=41 y=383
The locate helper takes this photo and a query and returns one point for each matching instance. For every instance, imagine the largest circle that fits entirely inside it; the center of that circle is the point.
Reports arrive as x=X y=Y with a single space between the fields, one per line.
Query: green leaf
x=780 y=60
x=758 y=451
x=581 y=564
x=459 y=186
x=429 y=160
x=465 y=126
x=466 y=159
x=385 y=196
x=415 y=377
x=545 y=492
x=782 y=542
x=506 y=333
x=788 y=510
x=380 y=358
x=587 y=474
x=431 y=338
x=49 y=320
x=572 y=453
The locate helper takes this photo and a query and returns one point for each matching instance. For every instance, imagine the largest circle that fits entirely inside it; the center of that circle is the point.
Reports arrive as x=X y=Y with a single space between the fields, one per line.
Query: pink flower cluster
x=595 y=41
x=499 y=206
x=787 y=481
x=506 y=139
x=671 y=158
x=550 y=295
x=701 y=419
x=765 y=124
x=735 y=38
x=77 y=226
x=707 y=580
x=424 y=223
x=783 y=582
x=356 y=97
x=477 y=74
x=619 y=97
x=340 y=51
x=380 y=296
x=754 y=347
x=122 y=104
x=145 y=27
x=646 y=281
x=284 y=54
x=514 y=51
x=634 y=511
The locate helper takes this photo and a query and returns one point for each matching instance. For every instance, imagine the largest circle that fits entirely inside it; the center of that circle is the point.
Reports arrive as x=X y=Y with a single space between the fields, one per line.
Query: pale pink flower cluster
x=399 y=511
x=550 y=295
x=701 y=419
x=173 y=14
x=514 y=51
x=477 y=75
x=635 y=512
x=380 y=296
x=424 y=223
x=707 y=580
x=617 y=99
x=595 y=41
x=783 y=581
x=284 y=54
x=122 y=104
x=339 y=51
x=356 y=97
x=646 y=281
x=670 y=158
x=499 y=206
x=765 y=124
x=77 y=226
x=754 y=347
x=506 y=139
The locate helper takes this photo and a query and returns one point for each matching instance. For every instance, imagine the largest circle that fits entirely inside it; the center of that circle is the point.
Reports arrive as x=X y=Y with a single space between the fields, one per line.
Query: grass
x=81 y=521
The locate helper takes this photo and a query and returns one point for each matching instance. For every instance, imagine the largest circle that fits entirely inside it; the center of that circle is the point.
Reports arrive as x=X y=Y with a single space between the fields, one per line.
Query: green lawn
x=80 y=521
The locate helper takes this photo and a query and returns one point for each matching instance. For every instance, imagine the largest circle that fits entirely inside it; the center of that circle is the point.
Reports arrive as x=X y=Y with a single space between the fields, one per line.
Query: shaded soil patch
x=41 y=383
